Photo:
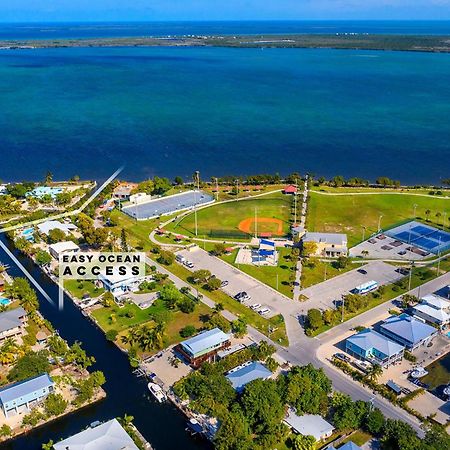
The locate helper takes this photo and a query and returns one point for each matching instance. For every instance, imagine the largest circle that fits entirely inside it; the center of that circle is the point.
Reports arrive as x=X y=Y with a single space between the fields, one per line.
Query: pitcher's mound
x=264 y=225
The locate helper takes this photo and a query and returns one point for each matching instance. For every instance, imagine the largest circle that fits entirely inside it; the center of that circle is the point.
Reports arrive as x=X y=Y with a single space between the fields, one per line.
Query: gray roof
x=428 y=310
x=46 y=227
x=11 y=319
x=242 y=375
x=368 y=339
x=205 y=340
x=308 y=424
x=327 y=238
x=107 y=436
x=436 y=301
x=408 y=328
x=25 y=387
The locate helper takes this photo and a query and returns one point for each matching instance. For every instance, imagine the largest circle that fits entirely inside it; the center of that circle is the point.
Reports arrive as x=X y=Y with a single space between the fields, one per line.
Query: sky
x=153 y=10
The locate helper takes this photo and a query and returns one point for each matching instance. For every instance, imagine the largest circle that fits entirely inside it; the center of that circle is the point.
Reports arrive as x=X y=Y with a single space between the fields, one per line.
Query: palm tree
x=438 y=215
x=427 y=214
x=8 y=351
x=158 y=331
x=374 y=372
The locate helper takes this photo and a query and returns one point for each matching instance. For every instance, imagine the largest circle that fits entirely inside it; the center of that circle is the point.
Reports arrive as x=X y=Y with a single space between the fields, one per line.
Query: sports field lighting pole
x=439 y=257
x=415 y=207
x=410 y=275
x=379 y=222
x=217 y=189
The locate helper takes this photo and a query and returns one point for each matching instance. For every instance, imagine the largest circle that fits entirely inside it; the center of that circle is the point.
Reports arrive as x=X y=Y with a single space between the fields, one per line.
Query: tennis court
x=167 y=205
x=423 y=236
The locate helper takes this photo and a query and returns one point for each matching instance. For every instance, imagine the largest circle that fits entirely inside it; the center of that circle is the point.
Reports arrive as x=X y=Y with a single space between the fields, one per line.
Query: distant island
x=354 y=41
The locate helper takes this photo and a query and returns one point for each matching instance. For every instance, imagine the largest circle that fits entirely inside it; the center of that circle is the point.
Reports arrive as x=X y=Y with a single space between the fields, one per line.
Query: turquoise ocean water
x=169 y=111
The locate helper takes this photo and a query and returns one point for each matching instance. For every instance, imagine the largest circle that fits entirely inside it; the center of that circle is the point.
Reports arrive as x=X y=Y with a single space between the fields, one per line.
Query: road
x=303 y=350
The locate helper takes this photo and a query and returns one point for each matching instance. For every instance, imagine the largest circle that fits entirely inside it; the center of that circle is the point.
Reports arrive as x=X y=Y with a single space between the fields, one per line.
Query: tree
x=111 y=335
x=48 y=178
x=342 y=262
x=5 y=430
x=201 y=276
x=108 y=300
x=54 y=404
x=78 y=356
x=64 y=198
x=123 y=240
x=314 y=318
x=186 y=305
x=187 y=331
x=48 y=445
x=300 y=442
x=374 y=372
x=30 y=365
x=427 y=214
x=56 y=235
x=218 y=321
x=57 y=345
x=166 y=257
x=43 y=258
x=178 y=181
x=160 y=185
x=398 y=435
x=234 y=432
x=98 y=378
x=338 y=181
x=218 y=249
x=8 y=351
x=239 y=327
x=170 y=295
x=374 y=421
x=213 y=284
x=309 y=248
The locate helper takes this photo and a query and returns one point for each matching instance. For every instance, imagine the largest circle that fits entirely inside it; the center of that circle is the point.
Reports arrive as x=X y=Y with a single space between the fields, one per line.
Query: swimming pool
x=4 y=301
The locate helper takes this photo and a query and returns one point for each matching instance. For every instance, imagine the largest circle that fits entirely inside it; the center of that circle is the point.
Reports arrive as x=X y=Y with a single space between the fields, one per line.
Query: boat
x=157 y=392
x=447 y=391
x=418 y=372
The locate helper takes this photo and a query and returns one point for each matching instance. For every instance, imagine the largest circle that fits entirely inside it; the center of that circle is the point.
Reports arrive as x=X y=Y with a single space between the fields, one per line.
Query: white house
x=63 y=247
x=49 y=225
x=117 y=283
x=309 y=425
x=433 y=309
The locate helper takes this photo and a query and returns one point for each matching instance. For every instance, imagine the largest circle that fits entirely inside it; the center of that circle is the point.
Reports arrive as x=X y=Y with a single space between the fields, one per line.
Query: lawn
x=268 y=274
x=80 y=288
x=358 y=437
x=315 y=271
x=349 y=213
x=273 y=327
x=223 y=220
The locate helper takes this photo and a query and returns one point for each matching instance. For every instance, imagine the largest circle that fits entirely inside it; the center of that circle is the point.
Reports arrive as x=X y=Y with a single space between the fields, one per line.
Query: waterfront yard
x=225 y=220
x=79 y=288
x=349 y=213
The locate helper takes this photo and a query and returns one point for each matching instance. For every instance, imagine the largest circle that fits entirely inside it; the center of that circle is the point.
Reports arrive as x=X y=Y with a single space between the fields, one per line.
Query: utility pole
x=415 y=207
x=343 y=307
x=410 y=275
x=325 y=274
x=364 y=233
x=256 y=223
x=217 y=189
x=379 y=222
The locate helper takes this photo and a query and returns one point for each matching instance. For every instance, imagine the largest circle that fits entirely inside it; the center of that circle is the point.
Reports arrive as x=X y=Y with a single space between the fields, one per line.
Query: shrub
x=187 y=331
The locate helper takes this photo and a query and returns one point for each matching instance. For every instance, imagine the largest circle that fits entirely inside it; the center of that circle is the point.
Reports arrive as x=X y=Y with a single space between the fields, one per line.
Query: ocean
x=124 y=29
x=170 y=111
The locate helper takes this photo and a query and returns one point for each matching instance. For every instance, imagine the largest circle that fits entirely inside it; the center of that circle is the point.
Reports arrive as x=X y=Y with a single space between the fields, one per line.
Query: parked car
x=256 y=306
x=242 y=296
x=189 y=264
x=342 y=357
x=180 y=258
x=264 y=311
x=224 y=283
x=363 y=271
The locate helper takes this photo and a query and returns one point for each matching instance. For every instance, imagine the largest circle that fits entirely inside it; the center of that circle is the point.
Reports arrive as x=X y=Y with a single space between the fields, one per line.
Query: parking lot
x=323 y=295
x=238 y=281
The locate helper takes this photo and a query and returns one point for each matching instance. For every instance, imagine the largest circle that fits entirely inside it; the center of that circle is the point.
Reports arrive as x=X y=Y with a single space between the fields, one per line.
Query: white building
x=63 y=247
x=50 y=225
x=330 y=245
x=433 y=309
x=117 y=283
x=309 y=425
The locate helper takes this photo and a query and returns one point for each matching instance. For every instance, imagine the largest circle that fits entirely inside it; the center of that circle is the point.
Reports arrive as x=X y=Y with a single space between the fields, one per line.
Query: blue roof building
x=24 y=395
x=347 y=446
x=408 y=331
x=240 y=376
x=374 y=347
x=204 y=346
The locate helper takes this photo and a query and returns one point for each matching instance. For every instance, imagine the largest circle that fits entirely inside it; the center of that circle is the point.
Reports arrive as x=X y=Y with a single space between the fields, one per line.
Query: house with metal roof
x=430 y=310
x=49 y=225
x=374 y=347
x=117 y=283
x=408 y=331
x=204 y=346
x=106 y=436
x=309 y=425
x=240 y=376
x=24 y=395
x=12 y=323
x=60 y=248
x=328 y=244
x=437 y=302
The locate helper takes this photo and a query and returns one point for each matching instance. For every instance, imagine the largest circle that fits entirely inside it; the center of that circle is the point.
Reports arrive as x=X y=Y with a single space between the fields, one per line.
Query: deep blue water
x=170 y=111
x=114 y=29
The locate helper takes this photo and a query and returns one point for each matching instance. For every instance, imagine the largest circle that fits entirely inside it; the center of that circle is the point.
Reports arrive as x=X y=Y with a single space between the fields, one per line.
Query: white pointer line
x=26 y=273
x=68 y=213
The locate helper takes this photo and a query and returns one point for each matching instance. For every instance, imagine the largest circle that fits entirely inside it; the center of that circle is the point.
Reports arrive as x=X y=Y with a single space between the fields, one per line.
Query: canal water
x=162 y=425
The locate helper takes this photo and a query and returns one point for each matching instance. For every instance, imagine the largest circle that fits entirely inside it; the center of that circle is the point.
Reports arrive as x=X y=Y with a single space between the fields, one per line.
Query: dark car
x=342 y=357
x=363 y=271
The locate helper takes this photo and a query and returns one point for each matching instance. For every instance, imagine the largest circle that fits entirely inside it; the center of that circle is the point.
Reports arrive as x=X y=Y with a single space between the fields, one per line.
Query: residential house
x=106 y=436
x=408 y=331
x=240 y=376
x=291 y=189
x=24 y=395
x=59 y=248
x=374 y=347
x=309 y=425
x=328 y=244
x=123 y=191
x=204 y=346
x=434 y=309
x=117 y=283
x=49 y=225
x=12 y=323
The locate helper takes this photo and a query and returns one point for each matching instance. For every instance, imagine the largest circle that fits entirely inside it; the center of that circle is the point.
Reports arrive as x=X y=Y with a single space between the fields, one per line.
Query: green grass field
x=79 y=288
x=268 y=274
x=316 y=271
x=223 y=220
x=349 y=213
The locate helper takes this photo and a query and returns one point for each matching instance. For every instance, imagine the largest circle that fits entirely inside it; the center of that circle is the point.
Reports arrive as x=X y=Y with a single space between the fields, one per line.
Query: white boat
x=447 y=391
x=157 y=392
x=418 y=372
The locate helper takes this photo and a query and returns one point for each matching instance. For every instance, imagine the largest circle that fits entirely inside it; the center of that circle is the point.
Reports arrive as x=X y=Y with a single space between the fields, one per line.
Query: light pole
x=364 y=233
x=343 y=307
x=217 y=189
x=379 y=222
x=415 y=207
x=196 y=184
x=410 y=275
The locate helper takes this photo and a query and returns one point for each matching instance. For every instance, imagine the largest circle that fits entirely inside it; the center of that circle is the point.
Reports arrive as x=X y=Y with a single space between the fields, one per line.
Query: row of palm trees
x=146 y=337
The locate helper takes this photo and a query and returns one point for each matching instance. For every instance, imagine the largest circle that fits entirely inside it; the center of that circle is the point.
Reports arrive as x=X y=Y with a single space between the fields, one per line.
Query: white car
x=189 y=264
x=264 y=311
x=256 y=306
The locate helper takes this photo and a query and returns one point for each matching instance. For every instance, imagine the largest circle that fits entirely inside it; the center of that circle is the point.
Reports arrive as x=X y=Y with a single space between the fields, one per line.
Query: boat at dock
x=157 y=391
x=418 y=372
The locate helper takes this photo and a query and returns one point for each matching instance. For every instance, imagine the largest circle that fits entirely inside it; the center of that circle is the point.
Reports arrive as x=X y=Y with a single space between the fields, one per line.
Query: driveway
x=323 y=295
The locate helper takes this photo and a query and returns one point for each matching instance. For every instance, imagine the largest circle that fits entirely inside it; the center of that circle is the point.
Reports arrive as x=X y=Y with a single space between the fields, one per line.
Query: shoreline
x=368 y=42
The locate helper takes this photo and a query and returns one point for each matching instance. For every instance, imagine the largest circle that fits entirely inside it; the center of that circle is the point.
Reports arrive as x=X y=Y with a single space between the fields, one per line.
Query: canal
x=162 y=425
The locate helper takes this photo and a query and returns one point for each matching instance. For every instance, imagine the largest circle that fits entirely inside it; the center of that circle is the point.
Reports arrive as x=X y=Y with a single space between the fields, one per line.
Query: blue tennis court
x=422 y=236
x=167 y=205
